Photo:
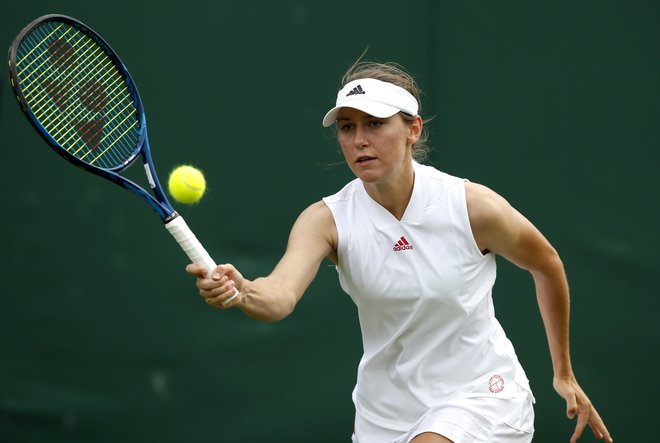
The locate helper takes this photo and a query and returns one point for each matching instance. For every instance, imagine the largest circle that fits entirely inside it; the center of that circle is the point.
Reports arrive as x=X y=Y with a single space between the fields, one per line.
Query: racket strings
x=88 y=130
x=60 y=82
x=57 y=84
x=57 y=88
x=78 y=94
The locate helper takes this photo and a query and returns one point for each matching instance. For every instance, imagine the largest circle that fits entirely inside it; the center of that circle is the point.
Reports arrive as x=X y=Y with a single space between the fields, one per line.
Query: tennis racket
x=80 y=98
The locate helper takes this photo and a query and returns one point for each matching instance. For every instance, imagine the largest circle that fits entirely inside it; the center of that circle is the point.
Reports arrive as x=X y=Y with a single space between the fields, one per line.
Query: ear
x=415 y=130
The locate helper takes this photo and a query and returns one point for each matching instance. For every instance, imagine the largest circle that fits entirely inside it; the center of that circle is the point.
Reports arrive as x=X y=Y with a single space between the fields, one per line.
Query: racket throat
x=150 y=176
x=170 y=217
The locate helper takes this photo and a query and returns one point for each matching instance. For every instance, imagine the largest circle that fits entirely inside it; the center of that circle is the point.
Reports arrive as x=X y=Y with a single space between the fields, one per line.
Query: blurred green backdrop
x=103 y=337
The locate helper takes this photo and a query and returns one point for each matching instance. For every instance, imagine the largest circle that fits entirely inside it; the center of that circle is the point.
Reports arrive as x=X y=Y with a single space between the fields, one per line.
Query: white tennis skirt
x=464 y=419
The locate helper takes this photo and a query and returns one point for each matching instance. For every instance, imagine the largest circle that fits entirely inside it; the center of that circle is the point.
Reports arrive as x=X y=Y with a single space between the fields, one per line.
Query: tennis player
x=415 y=248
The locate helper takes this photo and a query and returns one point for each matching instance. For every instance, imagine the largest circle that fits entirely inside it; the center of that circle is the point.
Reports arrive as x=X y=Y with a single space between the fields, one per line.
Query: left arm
x=500 y=229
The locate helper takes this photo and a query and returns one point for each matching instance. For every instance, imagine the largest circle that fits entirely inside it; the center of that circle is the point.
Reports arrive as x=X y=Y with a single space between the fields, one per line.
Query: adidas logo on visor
x=356 y=90
x=383 y=100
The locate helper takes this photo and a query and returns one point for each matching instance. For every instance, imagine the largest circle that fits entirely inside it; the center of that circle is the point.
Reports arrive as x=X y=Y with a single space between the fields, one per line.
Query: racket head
x=77 y=93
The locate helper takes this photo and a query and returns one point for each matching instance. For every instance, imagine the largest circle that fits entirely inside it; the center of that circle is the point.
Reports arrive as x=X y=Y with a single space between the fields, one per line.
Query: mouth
x=364 y=159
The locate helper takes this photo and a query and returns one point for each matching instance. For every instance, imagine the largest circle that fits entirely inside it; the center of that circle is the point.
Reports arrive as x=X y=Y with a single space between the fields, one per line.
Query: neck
x=394 y=194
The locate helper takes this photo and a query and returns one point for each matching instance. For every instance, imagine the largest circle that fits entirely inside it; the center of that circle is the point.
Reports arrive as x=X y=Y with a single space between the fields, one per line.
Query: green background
x=103 y=337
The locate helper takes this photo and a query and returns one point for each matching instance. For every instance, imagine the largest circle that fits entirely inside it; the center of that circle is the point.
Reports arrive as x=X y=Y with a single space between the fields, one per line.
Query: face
x=376 y=149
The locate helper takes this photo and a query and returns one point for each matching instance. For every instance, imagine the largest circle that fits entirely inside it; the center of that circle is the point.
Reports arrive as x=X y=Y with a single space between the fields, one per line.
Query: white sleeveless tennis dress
x=423 y=292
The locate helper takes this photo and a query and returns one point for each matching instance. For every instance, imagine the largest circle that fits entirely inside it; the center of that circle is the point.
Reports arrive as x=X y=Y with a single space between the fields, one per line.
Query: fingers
x=224 y=301
x=218 y=290
x=196 y=270
x=587 y=415
x=216 y=287
x=224 y=269
x=583 y=419
x=598 y=427
x=592 y=418
x=571 y=406
x=200 y=271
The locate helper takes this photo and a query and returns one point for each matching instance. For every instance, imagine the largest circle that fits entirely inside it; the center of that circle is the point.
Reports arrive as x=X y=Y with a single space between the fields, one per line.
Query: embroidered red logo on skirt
x=496 y=384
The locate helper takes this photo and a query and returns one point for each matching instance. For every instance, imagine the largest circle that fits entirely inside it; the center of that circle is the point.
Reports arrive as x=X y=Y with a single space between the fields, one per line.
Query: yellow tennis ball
x=186 y=184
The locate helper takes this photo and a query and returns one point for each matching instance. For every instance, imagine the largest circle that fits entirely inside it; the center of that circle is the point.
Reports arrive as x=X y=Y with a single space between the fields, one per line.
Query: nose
x=360 y=141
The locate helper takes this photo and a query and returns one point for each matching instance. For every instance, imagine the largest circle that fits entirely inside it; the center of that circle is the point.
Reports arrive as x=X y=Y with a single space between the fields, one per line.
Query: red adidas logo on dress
x=402 y=245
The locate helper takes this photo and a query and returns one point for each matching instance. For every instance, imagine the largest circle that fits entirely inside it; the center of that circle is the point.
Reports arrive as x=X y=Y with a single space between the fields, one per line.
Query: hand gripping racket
x=79 y=96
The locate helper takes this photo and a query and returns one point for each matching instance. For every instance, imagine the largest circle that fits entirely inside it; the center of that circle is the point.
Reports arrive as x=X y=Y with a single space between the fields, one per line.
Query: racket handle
x=193 y=248
x=189 y=243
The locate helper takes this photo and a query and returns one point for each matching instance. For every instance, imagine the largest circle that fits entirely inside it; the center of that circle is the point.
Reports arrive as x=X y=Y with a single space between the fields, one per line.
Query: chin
x=369 y=177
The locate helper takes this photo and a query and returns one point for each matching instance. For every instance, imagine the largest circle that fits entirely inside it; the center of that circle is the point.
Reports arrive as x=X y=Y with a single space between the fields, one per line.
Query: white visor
x=375 y=97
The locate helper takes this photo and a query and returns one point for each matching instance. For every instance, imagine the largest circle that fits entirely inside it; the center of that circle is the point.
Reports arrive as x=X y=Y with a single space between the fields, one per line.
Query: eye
x=375 y=123
x=345 y=127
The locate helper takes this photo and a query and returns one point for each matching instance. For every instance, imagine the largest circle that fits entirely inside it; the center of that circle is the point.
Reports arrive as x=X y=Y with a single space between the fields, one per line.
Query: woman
x=415 y=248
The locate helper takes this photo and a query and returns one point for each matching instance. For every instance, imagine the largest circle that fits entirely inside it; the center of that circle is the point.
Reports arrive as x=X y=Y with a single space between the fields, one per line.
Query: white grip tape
x=193 y=248
x=189 y=243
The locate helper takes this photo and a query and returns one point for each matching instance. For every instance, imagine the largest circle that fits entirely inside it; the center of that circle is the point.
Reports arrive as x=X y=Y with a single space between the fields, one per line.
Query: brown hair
x=392 y=73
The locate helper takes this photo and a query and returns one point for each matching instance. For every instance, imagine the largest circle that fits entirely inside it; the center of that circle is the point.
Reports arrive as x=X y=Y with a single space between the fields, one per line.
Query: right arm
x=272 y=298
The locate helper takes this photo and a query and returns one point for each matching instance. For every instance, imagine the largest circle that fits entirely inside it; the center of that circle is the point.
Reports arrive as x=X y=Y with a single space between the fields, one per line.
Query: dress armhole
x=473 y=241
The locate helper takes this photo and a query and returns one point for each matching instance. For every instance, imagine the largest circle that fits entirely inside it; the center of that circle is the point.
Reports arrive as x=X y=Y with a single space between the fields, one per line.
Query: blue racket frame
x=159 y=203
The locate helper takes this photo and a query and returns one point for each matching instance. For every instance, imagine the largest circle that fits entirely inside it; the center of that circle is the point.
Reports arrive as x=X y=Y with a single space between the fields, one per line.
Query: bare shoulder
x=319 y=209
x=318 y=216
x=484 y=205
x=494 y=222
x=316 y=222
x=500 y=228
